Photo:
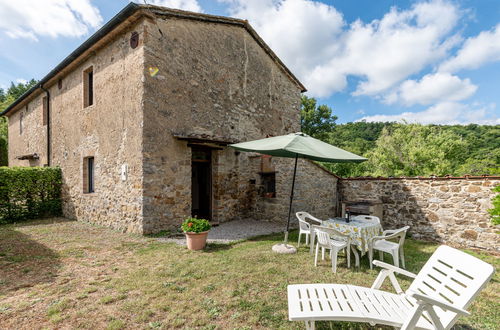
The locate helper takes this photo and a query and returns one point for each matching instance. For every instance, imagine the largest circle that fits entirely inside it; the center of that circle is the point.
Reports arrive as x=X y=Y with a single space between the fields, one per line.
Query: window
x=269 y=184
x=268 y=177
x=88 y=175
x=45 y=108
x=88 y=87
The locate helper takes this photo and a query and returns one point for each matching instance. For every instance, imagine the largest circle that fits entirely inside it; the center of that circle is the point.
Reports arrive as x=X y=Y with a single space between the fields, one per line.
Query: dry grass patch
x=60 y=274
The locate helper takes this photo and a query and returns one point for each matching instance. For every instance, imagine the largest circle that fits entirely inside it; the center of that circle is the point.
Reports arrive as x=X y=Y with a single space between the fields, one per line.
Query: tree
x=3 y=142
x=6 y=98
x=495 y=211
x=316 y=121
x=488 y=164
x=16 y=90
x=416 y=150
x=358 y=138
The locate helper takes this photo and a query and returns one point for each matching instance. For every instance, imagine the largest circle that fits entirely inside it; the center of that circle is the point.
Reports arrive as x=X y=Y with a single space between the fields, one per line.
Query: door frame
x=210 y=178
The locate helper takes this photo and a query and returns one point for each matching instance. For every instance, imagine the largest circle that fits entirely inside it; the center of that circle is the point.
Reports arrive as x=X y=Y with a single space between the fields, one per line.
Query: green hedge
x=29 y=192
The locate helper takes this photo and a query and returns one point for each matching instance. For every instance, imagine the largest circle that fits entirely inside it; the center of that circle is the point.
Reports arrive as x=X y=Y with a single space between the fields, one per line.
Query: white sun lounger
x=438 y=296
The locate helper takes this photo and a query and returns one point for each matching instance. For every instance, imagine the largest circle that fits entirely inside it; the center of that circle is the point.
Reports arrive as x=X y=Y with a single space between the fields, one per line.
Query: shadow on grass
x=416 y=252
x=217 y=247
x=213 y=247
x=40 y=222
x=463 y=327
x=23 y=261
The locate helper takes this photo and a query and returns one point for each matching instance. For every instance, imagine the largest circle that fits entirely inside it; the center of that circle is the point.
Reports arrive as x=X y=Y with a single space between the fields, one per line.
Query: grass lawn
x=61 y=274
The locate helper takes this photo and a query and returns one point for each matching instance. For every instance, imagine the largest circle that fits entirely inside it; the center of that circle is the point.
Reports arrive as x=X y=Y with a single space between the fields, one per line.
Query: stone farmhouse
x=139 y=118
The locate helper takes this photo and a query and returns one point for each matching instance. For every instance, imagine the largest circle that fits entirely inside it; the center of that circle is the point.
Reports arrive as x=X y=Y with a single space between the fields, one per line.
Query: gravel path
x=235 y=230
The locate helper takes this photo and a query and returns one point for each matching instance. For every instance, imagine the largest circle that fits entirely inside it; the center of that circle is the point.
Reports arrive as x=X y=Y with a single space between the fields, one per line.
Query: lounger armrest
x=444 y=305
x=393 y=268
x=388 y=271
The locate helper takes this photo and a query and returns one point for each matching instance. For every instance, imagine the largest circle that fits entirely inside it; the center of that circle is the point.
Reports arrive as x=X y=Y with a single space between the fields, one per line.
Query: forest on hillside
x=402 y=149
x=392 y=149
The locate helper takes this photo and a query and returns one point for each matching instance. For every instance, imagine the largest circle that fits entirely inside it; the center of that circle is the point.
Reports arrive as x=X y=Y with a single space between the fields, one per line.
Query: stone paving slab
x=235 y=230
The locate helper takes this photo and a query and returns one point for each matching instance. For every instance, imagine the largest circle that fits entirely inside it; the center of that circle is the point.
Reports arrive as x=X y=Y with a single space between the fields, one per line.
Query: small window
x=45 y=108
x=269 y=185
x=21 y=124
x=88 y=175
x=88 y=87
x=134 y=40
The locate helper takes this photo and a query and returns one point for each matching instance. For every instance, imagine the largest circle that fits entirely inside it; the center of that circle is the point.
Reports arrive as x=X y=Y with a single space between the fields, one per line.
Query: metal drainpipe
x=48 y=124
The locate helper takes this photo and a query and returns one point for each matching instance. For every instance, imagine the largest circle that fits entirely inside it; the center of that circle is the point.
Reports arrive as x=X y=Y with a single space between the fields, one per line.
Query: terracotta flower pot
x=196 y=241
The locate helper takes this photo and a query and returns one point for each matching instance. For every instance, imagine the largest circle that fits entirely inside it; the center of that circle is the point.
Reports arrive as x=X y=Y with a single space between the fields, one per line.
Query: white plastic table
x=360 y=231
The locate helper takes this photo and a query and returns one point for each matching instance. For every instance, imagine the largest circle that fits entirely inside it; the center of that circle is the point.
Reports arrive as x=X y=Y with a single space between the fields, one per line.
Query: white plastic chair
x=370 y=218
x=438 y=296
x=382 y=244
x=304 y=226
x=339 y=242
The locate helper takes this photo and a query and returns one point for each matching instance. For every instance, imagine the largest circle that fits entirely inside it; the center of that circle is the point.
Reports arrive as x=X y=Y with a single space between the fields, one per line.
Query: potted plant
x=196 y=231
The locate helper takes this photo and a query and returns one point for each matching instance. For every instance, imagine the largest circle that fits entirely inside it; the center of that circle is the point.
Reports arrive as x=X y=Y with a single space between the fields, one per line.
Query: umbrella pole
x=291 y=199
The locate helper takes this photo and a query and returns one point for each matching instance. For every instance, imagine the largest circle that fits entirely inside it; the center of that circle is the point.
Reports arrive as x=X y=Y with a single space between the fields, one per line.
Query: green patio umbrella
x=298 y=145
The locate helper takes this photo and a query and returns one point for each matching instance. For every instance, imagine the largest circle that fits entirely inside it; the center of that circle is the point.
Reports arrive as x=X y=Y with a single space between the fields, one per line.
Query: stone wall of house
x=214 y=80
x=448 y=210
x=196 y=78
x=110 y=130
x=29 y=139
x=315 y=192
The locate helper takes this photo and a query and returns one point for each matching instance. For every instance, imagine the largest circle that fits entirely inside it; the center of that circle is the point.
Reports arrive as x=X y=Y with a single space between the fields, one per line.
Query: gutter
x=48 y=124
x=126 y=12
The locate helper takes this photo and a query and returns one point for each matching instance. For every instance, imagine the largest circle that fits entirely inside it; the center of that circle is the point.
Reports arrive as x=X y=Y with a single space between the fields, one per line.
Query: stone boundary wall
x=450 y=210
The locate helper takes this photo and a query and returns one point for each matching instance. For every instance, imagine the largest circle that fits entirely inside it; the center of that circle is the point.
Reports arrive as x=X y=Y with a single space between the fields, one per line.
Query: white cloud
x=446 y=113
x=21 y=81
x=402 y=43
x=302 y=33
x=431 y=89
x=475 y=52
x=53 y=18
x=191 y=5
x=314 y=41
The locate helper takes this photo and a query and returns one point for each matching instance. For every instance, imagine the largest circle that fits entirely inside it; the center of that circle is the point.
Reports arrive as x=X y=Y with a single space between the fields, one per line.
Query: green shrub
x=495 y=211
x=29 y=192
x=195 y=225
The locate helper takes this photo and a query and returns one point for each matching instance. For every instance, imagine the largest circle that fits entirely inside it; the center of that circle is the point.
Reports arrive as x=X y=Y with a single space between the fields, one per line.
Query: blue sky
x=434 y=61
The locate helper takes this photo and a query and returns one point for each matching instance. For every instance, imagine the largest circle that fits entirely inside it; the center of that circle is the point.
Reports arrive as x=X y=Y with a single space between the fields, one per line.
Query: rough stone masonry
x=448 y=210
